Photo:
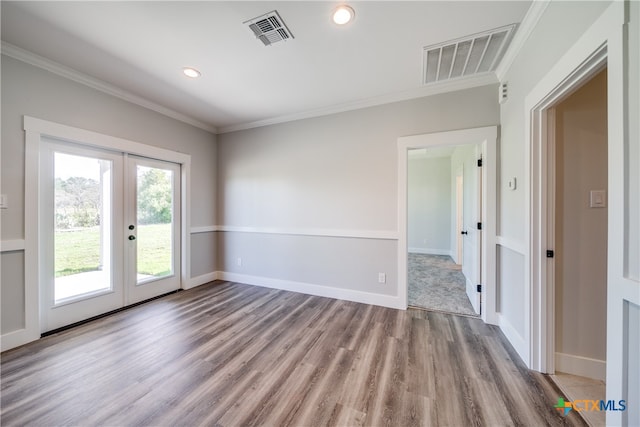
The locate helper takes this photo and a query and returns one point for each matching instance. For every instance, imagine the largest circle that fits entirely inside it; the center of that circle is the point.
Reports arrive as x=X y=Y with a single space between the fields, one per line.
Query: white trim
x=423 y=91
x=202 y=279
x=316 y=289
x=94 y=83
x=35 y=129
x=519 y=343
x=581 y=366
x=431 y=251
x=487 y=138
x=205 y=229
x=17 y=338
x=319 y=232
x=524 y=30
x=12 y=245
x=511 y=244
x=95 y=139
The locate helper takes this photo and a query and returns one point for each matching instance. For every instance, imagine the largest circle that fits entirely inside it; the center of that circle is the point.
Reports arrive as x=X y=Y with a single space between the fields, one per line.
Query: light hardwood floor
x=236 y=355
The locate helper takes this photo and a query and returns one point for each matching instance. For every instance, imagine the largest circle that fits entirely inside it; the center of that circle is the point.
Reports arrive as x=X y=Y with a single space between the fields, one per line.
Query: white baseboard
x=581 y=366
x=201 y=280
x=430 y=251
x=17 y=338
x=517 y=341
x=314 y=289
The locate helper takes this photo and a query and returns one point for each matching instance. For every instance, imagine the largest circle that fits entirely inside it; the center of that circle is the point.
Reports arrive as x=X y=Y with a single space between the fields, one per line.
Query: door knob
x=131 y=227
x=132 y=237
x=464 y=232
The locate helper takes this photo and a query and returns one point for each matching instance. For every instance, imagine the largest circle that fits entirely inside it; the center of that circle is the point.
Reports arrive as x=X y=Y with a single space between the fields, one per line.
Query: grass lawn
x=79 y=251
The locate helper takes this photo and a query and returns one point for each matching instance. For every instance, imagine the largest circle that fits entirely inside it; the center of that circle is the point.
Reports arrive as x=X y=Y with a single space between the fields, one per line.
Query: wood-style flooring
x=229 y=354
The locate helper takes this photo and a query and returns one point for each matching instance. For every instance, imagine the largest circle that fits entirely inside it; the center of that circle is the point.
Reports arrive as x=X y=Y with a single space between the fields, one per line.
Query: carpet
x=437 y=283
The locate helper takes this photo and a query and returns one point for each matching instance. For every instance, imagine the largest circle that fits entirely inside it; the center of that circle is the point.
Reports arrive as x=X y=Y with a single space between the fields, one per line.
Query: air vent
x=503 y=93
x=476 y=54
x=269 y=28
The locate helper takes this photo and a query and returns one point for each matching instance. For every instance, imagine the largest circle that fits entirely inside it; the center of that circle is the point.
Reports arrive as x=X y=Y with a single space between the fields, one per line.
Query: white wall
x=551 y=38
x=28 y=90
x=429 y=205
x=302 y=182
x=581 y=231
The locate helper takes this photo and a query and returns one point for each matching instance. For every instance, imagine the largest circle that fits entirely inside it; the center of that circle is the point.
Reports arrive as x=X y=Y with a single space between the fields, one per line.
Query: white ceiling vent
x=269 y=28
x=476 y=54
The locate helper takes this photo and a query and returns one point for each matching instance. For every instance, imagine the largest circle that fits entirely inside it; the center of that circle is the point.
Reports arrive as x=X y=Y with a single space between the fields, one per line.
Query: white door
x=472 y=211
x=152 y=228
x=109 y=231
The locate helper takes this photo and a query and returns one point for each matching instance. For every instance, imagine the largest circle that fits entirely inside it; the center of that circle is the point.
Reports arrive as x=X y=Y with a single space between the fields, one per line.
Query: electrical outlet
x=239 y=262
x=382 y=278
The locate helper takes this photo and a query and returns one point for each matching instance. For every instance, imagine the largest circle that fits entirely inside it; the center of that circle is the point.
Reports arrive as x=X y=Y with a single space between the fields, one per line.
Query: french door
x=110 y=231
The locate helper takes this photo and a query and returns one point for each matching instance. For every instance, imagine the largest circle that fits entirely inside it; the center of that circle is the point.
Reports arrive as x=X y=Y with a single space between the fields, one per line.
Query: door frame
x=589 y=56
x=35 y=129
x=604 y=42
x=486 y=138
x=459 y=203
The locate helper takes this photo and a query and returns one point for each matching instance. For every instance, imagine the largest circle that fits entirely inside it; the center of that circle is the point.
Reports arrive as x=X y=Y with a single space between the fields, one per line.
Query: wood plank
x=233 y=354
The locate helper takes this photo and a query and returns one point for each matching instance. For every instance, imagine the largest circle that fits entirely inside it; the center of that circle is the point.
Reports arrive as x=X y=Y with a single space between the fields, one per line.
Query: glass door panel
x=154 y=213
x=82 y=235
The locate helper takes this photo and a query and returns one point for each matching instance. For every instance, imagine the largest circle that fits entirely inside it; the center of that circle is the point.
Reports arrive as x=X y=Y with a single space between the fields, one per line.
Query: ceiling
x=141 y=48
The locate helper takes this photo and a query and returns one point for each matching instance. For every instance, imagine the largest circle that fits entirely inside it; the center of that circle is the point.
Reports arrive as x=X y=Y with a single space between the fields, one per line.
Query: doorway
x=482 y=143
x=110 y=227
x=578 y=175
x=442 y=208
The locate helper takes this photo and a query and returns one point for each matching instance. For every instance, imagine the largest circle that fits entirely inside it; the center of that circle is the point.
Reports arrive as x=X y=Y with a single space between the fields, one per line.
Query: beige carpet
x=437 y=283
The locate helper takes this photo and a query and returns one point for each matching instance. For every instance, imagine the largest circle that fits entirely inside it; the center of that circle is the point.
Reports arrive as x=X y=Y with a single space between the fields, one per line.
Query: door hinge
x=550 y=253
x=479 y=288
x=479 y=163
x=479 y=226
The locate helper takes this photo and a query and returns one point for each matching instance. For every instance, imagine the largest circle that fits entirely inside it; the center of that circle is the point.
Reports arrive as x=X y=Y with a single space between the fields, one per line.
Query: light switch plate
x=598 y=199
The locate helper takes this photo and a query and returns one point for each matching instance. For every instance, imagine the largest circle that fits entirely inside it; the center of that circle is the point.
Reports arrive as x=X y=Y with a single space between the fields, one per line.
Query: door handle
x=132 y=237
x=131 y=227
x=464 y=232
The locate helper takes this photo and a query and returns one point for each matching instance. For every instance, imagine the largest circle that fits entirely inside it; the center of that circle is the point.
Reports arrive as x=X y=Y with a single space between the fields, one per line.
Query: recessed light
x=343 y=15
x=191 y=72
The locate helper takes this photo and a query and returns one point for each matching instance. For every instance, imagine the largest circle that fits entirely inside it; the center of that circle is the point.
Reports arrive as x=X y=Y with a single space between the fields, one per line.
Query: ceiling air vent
x=472 y=55
x=269 y=28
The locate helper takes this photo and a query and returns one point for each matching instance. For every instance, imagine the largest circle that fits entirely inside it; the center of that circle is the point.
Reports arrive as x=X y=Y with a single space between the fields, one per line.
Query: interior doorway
x=578 y=232
x=483 y=142
x=441 y=213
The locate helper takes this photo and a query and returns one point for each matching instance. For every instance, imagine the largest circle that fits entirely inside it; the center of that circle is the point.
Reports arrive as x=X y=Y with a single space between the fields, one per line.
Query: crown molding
x=84 y=79
x=421 y=92
x=526 y=27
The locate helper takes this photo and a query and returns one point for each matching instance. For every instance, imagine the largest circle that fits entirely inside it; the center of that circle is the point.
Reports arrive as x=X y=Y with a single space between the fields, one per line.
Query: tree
x=154 y=196
x=77 y=202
